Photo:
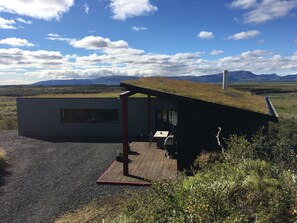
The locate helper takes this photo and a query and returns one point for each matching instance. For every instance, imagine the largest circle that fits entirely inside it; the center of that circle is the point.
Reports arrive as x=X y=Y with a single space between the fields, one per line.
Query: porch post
x=125 y=133
x=124 y=97
x=149 y=111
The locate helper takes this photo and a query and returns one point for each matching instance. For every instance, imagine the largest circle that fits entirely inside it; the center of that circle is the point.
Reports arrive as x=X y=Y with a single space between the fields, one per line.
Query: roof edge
x=272 y=111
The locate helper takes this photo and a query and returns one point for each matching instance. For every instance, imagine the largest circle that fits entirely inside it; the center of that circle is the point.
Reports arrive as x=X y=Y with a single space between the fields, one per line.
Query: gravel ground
x=46 y=179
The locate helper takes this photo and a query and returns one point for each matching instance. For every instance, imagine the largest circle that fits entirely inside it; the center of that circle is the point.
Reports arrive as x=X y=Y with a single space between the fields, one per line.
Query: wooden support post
x=124 y=97
x=149 y=115
x=125 y=134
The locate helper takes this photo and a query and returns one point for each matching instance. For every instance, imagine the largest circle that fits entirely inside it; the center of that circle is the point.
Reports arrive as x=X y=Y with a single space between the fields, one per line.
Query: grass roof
x=203 y=92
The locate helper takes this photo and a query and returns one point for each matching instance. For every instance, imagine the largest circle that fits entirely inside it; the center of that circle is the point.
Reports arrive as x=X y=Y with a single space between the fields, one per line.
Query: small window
x=89 y=115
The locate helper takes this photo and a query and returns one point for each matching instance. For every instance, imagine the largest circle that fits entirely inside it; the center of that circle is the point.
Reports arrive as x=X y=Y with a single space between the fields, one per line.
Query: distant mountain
x=239 y=76
x=233 y=76
x=108 y=80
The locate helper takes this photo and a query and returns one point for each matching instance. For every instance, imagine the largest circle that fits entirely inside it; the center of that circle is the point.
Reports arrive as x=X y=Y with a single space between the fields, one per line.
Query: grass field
x=286 y=106
x=284 y=99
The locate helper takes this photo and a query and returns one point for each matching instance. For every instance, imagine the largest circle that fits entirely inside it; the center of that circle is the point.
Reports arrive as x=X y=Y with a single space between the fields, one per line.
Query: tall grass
x=8 y=113
x=3 y=161
x=286 y=106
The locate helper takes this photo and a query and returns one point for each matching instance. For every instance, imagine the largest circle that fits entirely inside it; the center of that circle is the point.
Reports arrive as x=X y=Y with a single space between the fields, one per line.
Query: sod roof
x=199 y=91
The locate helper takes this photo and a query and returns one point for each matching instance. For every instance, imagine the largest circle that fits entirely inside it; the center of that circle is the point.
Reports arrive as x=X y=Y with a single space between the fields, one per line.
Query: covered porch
x=147 y=164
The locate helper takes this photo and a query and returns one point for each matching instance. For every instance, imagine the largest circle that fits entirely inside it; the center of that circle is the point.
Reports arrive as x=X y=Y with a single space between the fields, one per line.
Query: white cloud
x=16 y=42
x=38 y=9
x=7 y=23
x=295 y=40
x=57 y=37
x=91 y=42
x=243 y=4
x=123 y=9
x=216 y=52
x=25 y=60
x=24 y=21
x=138 y=28
x=245 y=35
x=98 y=43
x=261 y=41
x=54 y=35
x=86 y=8
x=260 y=11
x=205 y=35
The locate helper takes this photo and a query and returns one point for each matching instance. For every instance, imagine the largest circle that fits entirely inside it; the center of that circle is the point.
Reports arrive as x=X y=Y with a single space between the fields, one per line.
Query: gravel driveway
x=49 y=178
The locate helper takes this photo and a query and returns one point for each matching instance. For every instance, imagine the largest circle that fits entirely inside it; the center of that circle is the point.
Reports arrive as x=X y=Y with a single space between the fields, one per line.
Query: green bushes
x=252 y=181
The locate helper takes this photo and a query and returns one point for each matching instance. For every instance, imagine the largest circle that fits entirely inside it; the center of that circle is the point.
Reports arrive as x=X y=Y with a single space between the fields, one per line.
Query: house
x=191 y=111
x=200 y=110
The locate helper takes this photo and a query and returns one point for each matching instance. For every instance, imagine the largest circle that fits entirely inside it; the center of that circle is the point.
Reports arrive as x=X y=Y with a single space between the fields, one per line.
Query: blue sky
x=63 y=39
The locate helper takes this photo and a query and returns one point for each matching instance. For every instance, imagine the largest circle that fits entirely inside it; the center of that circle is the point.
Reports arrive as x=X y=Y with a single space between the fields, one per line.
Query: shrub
x=204 y=159
x=255 y=191
x=276 y=150
x=254 y=182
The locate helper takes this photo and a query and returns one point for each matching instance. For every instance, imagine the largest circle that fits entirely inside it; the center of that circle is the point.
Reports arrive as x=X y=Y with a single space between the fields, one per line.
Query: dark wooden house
x=201 y=109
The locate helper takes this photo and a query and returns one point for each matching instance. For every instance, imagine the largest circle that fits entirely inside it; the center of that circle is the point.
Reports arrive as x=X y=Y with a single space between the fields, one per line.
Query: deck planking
x=148 y=165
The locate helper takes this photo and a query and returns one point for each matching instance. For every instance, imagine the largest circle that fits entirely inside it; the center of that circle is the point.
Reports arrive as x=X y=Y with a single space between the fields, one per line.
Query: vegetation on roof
x=204 y=92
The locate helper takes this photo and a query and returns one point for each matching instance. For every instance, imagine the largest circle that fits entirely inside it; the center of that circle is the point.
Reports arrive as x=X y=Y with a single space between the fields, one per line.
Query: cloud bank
x=38 y=9
x=16 y=42
x=261 y=11
x=110 y=57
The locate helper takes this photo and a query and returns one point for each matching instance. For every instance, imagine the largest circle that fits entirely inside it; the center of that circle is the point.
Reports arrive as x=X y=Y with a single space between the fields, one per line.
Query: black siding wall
x=198 y=125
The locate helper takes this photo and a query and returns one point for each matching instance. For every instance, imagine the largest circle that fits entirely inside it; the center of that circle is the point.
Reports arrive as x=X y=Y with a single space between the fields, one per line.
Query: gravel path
x=46 y=179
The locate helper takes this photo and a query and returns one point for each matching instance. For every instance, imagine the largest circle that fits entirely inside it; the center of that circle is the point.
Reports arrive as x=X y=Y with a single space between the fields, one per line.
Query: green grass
x=267 y=88
x=8 y=113
x=284 y=98
x=204 y=92
x=286 y=106
x=94 y=211
x=20 y=91
x=3 y=161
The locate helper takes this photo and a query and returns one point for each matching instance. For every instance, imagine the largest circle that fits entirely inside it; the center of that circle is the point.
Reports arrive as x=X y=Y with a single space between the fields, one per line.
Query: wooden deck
x=147 y=164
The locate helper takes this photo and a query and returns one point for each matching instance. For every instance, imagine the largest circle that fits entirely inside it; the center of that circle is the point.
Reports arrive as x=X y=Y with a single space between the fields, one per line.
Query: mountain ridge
x=233 y=77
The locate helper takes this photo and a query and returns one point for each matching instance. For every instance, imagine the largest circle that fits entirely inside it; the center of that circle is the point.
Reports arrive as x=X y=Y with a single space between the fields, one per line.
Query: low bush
x=255 y=181
x=276 y=150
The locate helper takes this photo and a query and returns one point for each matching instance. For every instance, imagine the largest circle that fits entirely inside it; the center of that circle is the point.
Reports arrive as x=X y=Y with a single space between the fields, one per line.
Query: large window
x=89 y=115
x=166 y=119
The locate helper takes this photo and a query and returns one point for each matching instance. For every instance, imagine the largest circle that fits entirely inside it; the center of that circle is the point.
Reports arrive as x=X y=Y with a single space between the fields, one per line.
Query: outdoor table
x=160 y=136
